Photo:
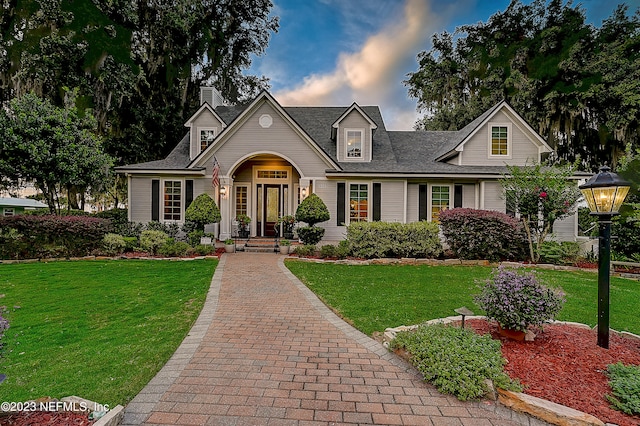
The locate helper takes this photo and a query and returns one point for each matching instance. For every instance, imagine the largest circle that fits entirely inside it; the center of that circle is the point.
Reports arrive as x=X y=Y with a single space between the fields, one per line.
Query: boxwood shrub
x=392 y=239
x=483 y=234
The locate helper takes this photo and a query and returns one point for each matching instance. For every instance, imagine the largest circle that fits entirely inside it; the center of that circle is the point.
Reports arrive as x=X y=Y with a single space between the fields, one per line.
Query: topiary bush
x=310 y=235
x=203 y=210
x=312 y=210
x=392 y=239
x=456 y=360
x=151 y=241
x=483 y=234
x=113 y=244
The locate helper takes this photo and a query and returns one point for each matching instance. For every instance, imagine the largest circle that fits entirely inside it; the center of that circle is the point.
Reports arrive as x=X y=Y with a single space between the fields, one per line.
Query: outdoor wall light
x=303 y=191
x=604 y=193
x=223 y=191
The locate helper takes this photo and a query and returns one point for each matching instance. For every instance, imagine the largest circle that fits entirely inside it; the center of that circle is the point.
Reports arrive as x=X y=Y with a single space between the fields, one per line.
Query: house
x=14 y=206
x=267 y=158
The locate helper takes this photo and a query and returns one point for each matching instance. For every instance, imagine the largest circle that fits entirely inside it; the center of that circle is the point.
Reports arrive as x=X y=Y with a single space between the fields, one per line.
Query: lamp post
x=604 y=193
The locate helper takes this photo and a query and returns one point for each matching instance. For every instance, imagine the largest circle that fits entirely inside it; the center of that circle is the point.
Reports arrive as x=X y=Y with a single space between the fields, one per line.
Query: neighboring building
x=270 y=157
x=14 y=206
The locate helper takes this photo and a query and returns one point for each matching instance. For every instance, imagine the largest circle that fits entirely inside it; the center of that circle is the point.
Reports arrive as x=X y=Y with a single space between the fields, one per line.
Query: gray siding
x=354 y=120
x=327 y=191
x=493 y=199
x=469 y=196
x=140 y=190
x=476 y=150
x=412 y=202
x=280 y=139
x=565 y=229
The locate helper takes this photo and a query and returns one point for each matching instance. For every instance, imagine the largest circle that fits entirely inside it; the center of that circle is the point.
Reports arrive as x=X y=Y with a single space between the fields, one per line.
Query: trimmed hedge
x=392 y=239
x=50 y=236
x=483 y=234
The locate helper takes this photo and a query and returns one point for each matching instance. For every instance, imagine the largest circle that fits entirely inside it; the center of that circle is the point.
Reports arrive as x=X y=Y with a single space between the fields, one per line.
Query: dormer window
x=354 y=138
x=206 y=137
x=500 y=141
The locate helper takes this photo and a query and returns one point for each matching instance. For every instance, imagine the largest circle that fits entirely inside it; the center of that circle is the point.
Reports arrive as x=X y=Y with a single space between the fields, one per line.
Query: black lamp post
x=604 y=193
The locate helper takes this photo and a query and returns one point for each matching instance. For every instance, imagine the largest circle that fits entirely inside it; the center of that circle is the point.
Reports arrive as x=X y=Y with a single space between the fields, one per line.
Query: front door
x=271 y=207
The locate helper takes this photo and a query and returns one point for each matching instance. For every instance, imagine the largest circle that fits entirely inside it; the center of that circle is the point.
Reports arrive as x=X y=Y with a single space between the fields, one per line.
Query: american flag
x=215 y=180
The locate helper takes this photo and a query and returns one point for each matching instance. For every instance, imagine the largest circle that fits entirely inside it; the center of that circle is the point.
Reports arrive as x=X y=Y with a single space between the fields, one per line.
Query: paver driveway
x=266 y=351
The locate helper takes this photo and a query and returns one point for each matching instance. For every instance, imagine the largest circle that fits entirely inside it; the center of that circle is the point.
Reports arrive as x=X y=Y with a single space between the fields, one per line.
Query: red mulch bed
x=566 y=366
x=42 y=418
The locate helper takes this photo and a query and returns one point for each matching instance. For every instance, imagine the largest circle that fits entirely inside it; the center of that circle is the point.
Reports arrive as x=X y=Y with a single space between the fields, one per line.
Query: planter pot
x=516 y=335
x=288 y=235
x=284 y=249
x=229 y=248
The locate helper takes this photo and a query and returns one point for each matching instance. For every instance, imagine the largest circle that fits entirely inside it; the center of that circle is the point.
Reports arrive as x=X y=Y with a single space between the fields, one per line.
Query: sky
x=336 y=52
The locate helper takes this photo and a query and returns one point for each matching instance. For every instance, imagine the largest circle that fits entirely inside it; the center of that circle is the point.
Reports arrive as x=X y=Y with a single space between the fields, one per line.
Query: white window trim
x=182 y=196
x=362 y=145
x=509 y=140
x=348 y=200
x=200 y=129
x=430 y=198
x=235 y=194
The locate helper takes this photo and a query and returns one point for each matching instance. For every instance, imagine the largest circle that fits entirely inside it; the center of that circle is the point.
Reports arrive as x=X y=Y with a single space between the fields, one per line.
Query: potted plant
x=243 y=225
x=287 y=221
x=516 y=300
x=284 y=246
x=229 y=245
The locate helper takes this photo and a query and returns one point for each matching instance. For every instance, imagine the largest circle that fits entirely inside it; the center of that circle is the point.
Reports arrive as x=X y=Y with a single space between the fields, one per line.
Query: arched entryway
x=264 y=187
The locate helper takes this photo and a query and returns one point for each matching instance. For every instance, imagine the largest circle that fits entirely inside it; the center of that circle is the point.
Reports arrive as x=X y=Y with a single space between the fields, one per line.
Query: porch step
x=260 y=245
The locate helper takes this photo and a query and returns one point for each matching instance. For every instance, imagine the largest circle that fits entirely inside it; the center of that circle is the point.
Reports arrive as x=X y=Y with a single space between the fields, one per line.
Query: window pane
x=241 y=200
x=273 y=174
x=354 y=144
x=172 y=200
x=439 y=201
x=499 y=140
x=358 y=202
x=206 y=137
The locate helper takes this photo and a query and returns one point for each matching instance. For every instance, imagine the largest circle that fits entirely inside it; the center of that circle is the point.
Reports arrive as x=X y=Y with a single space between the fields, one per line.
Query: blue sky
x=336 y=52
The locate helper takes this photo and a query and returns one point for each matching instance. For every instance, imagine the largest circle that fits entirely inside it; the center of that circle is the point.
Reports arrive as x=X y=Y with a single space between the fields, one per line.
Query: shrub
x=204 y=249
x=483 y=234
x=392 y=239
x=118 y=218
x=517 y=300
x=312 y=210
x=193 y=237
x=306 y=250
x=51 y=235
x=151 y=241
x=113 y=244
x=310 y=235
x=456 y=360
x=626 y=229
x=174 y=248
x=130 y=243
x=625 y=387
x=328 y=250
x=203 y=210
x=12 y=244
x=559 y=253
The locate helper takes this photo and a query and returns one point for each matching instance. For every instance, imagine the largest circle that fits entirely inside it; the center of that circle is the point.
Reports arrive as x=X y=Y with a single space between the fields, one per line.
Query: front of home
x=263 y=159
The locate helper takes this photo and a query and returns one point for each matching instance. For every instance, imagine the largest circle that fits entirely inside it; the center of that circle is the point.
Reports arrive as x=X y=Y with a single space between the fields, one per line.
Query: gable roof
x=204 y=106
x=394 y=152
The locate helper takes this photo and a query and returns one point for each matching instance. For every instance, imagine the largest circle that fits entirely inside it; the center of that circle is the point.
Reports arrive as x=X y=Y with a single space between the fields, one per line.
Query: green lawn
x=97 y=329
x=375 y=297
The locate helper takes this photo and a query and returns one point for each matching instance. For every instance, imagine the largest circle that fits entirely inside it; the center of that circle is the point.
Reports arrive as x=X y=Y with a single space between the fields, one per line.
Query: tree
x=540 y=195
x=138 y=64
x=575 y=83
x=54 y=147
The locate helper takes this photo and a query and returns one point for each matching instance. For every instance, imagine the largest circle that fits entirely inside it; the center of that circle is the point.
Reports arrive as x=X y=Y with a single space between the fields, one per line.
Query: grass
x=99 y=330
x=375 y=297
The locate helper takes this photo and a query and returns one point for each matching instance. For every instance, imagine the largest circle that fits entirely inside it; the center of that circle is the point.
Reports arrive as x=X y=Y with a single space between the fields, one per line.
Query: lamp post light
x=604 y=193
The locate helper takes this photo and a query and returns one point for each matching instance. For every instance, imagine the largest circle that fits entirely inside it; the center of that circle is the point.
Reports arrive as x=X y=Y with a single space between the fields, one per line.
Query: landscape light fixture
x=604 y=193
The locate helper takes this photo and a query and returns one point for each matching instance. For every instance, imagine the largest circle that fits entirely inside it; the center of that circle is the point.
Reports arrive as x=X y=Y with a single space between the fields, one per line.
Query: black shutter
x=188 y=193
x=422 y=202
x=377 y=202
x=340 y=204
x=155 y=200
x=457 y=196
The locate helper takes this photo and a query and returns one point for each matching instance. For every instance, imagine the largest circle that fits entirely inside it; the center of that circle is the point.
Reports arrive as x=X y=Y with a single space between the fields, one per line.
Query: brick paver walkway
x=266 y=351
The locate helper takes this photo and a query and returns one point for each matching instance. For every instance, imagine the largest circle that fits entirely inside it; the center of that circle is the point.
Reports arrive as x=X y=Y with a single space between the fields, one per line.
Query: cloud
x=373 y=75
